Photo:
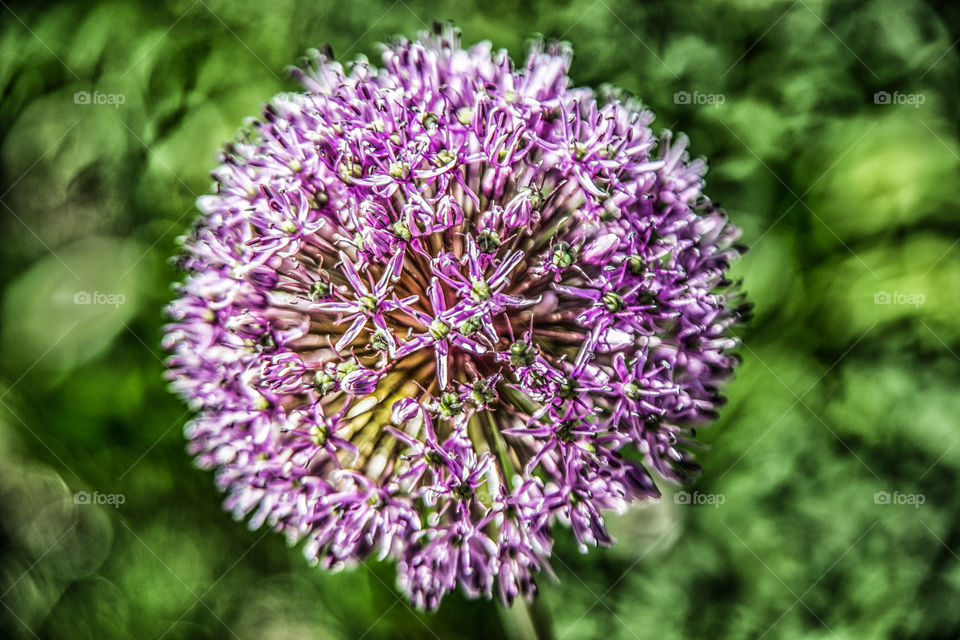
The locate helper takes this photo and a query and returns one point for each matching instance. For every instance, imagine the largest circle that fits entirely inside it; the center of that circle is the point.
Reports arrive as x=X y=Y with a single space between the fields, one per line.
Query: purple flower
x=435 y=308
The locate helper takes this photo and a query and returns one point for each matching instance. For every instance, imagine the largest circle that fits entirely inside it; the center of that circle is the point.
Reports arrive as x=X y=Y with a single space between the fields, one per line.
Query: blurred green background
x=828 y=506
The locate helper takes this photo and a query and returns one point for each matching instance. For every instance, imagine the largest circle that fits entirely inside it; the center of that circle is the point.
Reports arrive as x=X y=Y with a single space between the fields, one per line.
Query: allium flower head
x=435 y=308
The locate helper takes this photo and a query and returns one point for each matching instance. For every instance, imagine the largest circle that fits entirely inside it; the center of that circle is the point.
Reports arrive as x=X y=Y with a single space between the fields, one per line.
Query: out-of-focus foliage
x=843 y=195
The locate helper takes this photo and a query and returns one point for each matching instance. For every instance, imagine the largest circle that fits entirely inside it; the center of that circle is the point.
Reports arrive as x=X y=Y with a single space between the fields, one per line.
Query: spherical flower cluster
x=433 y=309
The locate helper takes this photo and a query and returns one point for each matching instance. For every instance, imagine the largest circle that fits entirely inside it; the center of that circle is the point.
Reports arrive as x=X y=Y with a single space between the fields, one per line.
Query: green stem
x=526 y=621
